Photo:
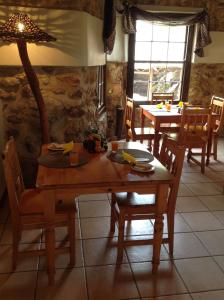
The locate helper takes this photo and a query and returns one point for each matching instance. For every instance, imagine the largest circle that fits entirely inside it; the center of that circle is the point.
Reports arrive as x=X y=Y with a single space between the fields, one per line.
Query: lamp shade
x=20 y=27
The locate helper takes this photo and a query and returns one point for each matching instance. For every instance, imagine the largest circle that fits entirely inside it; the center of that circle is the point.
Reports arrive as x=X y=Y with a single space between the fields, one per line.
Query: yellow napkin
x=181 y=104
x=68 y=147
x=128 y=157
x=160 y=105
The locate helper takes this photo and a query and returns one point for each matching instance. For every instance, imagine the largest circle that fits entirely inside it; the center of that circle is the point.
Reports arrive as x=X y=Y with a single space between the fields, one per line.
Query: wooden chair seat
x=134 y=206
x=28 y=211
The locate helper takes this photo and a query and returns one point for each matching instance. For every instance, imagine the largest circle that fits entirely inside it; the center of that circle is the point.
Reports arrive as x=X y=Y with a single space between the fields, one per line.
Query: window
x=101 y=89
x=160 y=58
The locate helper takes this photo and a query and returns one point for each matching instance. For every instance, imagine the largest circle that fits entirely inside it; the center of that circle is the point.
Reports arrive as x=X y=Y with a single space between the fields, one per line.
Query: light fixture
x=20 y=29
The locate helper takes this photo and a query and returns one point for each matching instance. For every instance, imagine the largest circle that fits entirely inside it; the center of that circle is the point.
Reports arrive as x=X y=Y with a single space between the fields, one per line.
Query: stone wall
x=206 y=80
x=94 y=7
x=70 y=97
x=116 y=74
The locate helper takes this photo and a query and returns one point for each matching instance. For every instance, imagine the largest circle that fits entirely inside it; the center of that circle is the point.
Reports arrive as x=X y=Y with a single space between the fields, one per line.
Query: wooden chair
x=162 y=97
x=27 y=211
x=133 y=206
x=194 y=132
x=136 y=133
x=217 y=106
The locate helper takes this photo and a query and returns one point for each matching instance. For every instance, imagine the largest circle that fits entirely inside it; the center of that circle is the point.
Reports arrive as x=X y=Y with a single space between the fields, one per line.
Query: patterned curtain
x=132 y=13
x=109 y=26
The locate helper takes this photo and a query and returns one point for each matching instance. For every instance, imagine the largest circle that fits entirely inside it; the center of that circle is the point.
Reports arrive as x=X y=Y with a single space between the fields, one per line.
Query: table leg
x=161 y=200
x=209 y=148
x=142 y=119
x=49 y=196
x=156 y=139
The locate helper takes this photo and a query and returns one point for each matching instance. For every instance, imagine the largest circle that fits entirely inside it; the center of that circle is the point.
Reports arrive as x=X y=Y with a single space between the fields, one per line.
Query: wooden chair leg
x=203 y=154
x=158 y=236
x=189 y=155
x=15 y=246
x=112 y=214
x=170 y=225
x=121 y=223
x=50 y=251
x=71 y=234
x=215 y=145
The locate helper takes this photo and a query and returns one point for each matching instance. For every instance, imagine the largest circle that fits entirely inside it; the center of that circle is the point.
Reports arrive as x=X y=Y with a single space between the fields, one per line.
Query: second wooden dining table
x=101 y=175
x=159 y=116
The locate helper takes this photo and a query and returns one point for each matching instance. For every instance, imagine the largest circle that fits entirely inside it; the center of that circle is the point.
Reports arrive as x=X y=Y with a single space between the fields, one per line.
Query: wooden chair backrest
x=129 y=113
x=13 y=177
x=217 y=106
x=172 y=157
x=162 y=97
x=195 y=124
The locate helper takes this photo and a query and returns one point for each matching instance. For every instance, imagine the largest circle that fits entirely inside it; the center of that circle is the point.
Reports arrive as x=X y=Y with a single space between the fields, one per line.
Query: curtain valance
x=132 y=13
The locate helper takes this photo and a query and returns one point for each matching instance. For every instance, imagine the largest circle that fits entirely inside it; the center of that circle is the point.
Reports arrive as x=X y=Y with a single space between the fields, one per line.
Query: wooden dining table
x=100 y=175
x=159 y=116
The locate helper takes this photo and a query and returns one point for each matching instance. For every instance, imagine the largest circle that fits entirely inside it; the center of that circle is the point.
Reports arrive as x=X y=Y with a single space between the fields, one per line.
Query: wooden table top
x=155 y=111
x=100 y=172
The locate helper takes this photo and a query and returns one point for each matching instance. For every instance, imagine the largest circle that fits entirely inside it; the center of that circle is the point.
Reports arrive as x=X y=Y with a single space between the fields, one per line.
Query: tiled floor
x=197 y=271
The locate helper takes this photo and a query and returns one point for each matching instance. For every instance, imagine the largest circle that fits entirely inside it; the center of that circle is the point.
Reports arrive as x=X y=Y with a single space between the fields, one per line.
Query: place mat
x=59 y=160
x=117 y=156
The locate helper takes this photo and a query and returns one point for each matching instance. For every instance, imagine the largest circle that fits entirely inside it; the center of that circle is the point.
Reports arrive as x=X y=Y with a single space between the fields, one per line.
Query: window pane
x=159 y=51
x=158 y=72
x=144 y=31
x=177 y=33
x=140 y=89
x=176 y=51
x=142 y=50
x=174 y=72
x=174 y=87
x=141 y=76
x=157 y=87
x=160 y=33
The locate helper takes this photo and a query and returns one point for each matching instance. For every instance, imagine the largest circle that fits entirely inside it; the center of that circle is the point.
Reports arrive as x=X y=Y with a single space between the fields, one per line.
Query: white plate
x=55 y=147
x=146 y=169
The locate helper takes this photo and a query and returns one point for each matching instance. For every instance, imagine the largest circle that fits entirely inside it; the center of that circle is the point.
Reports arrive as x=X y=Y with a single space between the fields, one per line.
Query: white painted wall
x=79 y=38
x=120 y=51
x=214 y=53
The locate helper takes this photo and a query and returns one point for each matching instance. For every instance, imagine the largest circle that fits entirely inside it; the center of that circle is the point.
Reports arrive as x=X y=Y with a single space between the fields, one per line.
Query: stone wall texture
x=94 y=7
x=70 y=98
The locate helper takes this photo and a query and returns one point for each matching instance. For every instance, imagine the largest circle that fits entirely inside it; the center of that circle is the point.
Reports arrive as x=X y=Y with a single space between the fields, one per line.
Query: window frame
x=100 y=89
x=185 y=81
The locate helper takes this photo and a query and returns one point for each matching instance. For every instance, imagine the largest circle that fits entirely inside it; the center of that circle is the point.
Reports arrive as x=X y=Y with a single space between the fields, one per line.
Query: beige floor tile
x=190 y=167
x=216 y=166
x=27 y=263
x=101 y=252
x=69 y=284
x=201 y=221
x=201 y=189
x=219 y=215
x=187 y=245
x=184 y=191
x=165 y=282
x=215 y=176
x=144 y=253
x=179 y=225
x=213 y=241
x=213 y=202
x=216 y=295
x=62 y=260
x=172 y=297
x=220 y=261
x=111 y=282
x=90 y=197
x=200 y=274
x=94 y=209
x=18 y=286
x=139 y=227
x=96 y=227
x=187 y=177
x=28 y=236
x=189 y=204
